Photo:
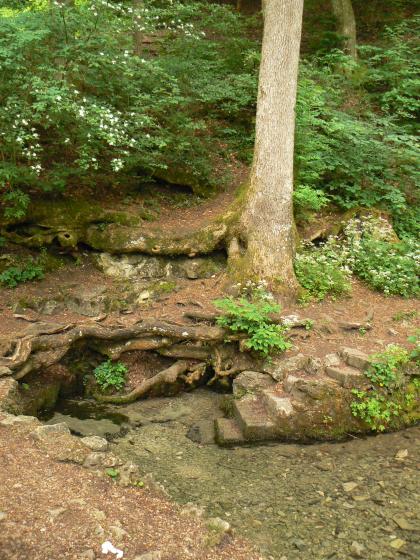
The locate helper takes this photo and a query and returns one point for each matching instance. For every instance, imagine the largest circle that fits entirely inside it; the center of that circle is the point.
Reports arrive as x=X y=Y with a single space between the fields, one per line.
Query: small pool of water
x=86 y=417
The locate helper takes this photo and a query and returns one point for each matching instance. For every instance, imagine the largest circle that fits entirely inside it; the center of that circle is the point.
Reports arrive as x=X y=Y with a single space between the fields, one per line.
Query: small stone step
x=276 y=405
x=228 y=432
x=254 y=419
x=346 y=376
x=355 y=358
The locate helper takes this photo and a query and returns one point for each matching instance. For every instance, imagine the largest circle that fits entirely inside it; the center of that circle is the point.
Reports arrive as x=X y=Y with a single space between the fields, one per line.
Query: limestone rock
x=347 y=377
x=95 y=443
x=5 y=371
x=9 y=396
x=250 y=382
x=154 y=555
x=148 y=267
x=45 y=432
x=277 y=405
x=283 y=366
x=332 y=360
x=355 y=358
x=228 y=432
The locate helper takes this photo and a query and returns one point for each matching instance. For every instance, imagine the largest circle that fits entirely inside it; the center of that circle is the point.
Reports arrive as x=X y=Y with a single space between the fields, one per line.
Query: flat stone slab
x=355 y=358
x=228 y=432
x=254 y=420
x=346 y=376
x=251 y=382
x=276 y=405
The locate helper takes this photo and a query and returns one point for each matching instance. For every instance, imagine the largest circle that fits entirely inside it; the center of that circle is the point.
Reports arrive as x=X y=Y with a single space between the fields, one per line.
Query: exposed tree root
x=44 y=344
x=156 y=384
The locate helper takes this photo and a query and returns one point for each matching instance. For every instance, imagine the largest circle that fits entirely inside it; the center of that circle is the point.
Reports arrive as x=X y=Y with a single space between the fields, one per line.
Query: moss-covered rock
x=70 y=222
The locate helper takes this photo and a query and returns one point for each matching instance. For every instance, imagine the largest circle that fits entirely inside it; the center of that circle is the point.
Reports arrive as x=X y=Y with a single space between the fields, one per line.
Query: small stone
x=87 y=555
x=360 y=498
x=54 y=513
x=98 y=514
x=118 y=532
x=95 y=443
x=3 y=515
x=357 y=549
x=401 y=454
x=217 y=524
x=45 y=431
x=193 y=510
x=403 y=523
x=397 y=543
x=299 y=544
x=154 y=555
x=218 y=528
x=349 y=486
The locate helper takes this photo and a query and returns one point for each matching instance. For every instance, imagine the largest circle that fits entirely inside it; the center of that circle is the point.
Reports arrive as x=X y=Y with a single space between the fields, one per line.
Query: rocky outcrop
x=294 y=403
x=70 y=222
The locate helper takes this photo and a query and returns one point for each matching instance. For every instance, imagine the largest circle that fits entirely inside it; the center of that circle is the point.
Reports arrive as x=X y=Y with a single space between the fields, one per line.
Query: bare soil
x=56 y=511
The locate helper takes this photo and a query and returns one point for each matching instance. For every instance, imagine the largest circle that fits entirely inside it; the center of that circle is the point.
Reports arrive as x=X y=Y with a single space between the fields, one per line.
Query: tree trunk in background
x=343 y=11
x=264 y=246
x=137 y=33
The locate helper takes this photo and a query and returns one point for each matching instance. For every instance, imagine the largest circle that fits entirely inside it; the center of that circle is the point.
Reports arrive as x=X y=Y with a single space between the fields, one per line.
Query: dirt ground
x=52 y=510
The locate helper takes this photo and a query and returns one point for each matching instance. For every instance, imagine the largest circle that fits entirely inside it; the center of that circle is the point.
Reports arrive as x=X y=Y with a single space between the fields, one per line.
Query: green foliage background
x=80 y=110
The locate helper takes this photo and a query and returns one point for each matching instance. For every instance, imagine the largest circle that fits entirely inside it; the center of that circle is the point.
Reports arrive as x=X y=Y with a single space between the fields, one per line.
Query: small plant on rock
x=385 y=399
x=250 y=314
x=110 y=375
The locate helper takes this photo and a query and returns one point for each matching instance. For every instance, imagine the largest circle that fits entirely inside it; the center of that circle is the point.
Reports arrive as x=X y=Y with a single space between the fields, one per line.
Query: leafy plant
x=27 y=271
x=384 y=401
x=251 y=315
x=110 y=375
x=321 y=272
x=112 y=473
x=366 y=249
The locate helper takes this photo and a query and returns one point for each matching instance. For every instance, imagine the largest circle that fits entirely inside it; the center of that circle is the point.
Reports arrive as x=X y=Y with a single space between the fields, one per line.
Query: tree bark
x=137 y=33
x=343 y=11
x=264 y=247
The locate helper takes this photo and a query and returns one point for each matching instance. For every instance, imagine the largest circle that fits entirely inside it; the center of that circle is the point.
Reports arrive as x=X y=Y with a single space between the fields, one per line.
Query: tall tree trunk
x=264 y=247
x=137 y=33
x=343 y=11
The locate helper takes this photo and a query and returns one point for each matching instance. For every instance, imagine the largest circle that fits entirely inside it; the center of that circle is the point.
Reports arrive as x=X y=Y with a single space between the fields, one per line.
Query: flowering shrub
x=367 y=250
x=80 y=108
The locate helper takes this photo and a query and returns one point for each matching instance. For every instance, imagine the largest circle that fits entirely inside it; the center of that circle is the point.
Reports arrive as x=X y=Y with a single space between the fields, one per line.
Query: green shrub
x=365 y=249
x=110 y=375
x=389 y=394
x=320 y=272
x=385 y=265
x=27 y=271
x=79 y=107
x=250 y=314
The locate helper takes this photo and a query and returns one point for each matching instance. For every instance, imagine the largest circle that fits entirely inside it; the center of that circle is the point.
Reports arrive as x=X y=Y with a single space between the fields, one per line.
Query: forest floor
x=55 y=510
x=51 y=508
